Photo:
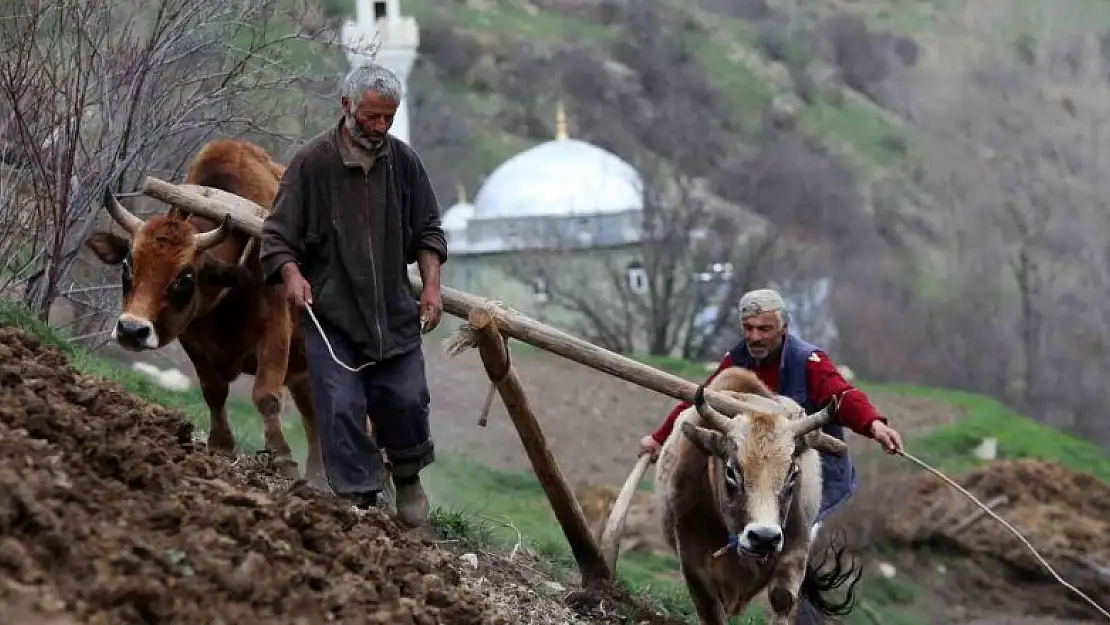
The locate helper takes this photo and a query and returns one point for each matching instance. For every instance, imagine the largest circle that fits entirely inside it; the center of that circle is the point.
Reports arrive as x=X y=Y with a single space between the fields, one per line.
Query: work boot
x=412 y=503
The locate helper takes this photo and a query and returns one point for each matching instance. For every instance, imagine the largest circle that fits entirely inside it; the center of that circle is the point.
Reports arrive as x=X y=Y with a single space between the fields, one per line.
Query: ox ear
x=110 y=248
x=708 y=442
x=221 y=274
x=824 y=442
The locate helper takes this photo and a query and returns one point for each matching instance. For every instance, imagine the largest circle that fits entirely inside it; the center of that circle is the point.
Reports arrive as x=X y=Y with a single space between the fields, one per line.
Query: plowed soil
x=976 y=562
x=111 y=514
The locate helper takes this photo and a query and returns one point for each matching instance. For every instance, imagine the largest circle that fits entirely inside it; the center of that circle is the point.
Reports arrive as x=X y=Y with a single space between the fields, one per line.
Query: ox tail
x=820 y=580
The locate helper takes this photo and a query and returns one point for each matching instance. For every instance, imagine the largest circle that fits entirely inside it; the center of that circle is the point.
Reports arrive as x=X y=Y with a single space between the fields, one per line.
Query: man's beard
x=360 y=136
x=765 y=349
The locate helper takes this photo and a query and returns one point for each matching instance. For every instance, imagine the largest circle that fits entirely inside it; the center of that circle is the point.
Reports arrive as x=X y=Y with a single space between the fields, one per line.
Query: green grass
x=949 y=448
x=505 y=509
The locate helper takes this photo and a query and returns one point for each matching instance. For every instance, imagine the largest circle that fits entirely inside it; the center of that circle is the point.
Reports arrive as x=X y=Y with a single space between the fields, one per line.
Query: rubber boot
x=412 y=503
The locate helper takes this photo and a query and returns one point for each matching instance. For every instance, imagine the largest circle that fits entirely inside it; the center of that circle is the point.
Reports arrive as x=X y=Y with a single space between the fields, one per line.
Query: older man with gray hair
x=354 y=209
x=792 y=367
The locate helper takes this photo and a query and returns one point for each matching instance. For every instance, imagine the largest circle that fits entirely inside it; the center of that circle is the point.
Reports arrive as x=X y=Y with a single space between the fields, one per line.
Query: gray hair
x=762 y=301
x=371 y=77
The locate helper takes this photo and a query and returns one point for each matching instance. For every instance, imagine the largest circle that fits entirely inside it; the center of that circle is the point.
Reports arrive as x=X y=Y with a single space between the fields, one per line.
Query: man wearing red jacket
x=792 y=367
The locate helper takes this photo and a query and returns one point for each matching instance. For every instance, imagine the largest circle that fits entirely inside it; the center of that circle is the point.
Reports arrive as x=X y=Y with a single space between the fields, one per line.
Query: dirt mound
x=641 y=526
x=1065 y=515
x=110 y=513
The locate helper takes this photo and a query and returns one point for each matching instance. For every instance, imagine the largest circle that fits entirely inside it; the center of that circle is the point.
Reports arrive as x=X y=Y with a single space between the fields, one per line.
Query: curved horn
x=715 y=419
x=206 y=240
x=125 y=218
x=813 y=421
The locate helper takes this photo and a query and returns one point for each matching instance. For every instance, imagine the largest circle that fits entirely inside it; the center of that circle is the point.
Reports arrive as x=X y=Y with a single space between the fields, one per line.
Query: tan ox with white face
x=738 y=500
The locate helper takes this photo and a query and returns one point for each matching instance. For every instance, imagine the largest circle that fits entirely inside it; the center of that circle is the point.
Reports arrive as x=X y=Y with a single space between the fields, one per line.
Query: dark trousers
x=393 y=392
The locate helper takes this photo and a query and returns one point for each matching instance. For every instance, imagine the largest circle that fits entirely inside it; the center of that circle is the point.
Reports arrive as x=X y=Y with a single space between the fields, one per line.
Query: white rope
x=328 y=344
x=1009 y=527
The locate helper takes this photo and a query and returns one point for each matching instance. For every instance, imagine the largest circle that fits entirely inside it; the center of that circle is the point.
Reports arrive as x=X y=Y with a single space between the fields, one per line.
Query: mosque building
x=561 y=210
x=563 y=216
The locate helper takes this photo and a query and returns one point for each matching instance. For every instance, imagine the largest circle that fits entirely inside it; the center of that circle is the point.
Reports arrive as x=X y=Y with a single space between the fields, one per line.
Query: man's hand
x=886 y=436
x=297 y=289
x=431 y=309
x=648 y=445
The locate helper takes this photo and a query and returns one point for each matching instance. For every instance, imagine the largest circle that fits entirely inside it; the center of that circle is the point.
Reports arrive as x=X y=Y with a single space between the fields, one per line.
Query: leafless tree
x=98 y=93
x=1018 y=309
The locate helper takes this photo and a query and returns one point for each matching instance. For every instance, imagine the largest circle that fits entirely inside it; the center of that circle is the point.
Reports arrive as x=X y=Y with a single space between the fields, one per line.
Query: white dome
x=562 y=177
x=456 y=216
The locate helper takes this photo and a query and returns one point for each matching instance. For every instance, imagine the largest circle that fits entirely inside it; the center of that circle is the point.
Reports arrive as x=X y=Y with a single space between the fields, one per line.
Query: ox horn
x=715 y=419
x=125 y=218
x=206 y=240
x=811 y=422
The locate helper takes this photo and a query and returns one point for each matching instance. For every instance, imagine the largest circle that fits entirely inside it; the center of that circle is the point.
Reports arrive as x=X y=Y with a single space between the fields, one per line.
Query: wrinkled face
x=369 y=120
x=755 y=466
x=756 y=473
x=164 y=275
x=763 y=333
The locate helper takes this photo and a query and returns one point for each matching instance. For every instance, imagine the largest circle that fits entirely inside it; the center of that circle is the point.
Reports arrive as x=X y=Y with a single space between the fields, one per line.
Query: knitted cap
x=760 y=301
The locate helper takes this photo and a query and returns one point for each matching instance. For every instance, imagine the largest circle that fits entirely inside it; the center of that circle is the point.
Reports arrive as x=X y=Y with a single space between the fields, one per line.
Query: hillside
x=939 y=160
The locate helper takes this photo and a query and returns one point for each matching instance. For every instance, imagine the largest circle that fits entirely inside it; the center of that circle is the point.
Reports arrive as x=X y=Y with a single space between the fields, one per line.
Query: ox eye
x=181 y=293
x=792 y=476
x=732 y=477
x=125 y=275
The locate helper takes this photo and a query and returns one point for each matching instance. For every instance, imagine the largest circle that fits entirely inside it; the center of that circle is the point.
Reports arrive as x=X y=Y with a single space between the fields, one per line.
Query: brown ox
x=753 y=485
x=182 y=279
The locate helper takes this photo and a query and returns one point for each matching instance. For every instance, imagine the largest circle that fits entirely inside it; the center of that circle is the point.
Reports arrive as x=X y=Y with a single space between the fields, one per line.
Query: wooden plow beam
x=488 y=327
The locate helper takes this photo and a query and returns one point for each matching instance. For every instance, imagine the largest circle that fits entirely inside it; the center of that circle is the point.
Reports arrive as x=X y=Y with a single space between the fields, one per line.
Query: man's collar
x=347 y=147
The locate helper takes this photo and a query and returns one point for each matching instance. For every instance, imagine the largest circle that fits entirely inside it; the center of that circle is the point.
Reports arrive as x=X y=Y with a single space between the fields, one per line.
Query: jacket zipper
x=377 y=286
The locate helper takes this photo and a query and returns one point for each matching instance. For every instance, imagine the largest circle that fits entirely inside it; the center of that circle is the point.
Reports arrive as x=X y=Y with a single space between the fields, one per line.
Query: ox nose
x=763 y=538
x=134 y=331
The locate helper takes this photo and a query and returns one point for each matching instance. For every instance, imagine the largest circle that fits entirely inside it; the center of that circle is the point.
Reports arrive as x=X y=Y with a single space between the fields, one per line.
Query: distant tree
x=1019 y=178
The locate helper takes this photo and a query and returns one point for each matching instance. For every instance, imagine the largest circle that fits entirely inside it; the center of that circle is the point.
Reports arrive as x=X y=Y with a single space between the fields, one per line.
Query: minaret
x=560 y=121
x=380 y=22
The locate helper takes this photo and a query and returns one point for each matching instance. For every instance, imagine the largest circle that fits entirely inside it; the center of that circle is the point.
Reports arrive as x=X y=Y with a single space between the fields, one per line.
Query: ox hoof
x=223 y=450
x=782 y=602
x=221 y=445
x=285 y=466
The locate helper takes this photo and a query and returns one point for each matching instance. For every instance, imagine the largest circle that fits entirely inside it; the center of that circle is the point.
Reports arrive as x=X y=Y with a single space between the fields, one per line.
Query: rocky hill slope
x=937 y=160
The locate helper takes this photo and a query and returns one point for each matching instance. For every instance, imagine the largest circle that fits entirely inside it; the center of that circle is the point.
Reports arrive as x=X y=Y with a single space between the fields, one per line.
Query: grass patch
x=949 y=447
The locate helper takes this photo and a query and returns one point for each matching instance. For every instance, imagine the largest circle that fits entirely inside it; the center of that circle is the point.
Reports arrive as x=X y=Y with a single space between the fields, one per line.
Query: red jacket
x=823 y=382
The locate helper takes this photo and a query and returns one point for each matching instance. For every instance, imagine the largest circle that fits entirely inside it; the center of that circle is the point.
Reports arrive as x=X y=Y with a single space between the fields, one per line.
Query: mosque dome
x=456 y=216
x=561 y=177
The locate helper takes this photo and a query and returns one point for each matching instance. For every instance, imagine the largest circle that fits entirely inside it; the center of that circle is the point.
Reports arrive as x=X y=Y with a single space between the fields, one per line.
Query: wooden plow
x=488 y=328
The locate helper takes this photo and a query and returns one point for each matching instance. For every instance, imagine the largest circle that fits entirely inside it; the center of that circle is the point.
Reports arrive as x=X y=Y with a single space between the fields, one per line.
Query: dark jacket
x=353 y=226
x=839 y=478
